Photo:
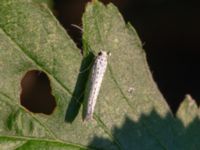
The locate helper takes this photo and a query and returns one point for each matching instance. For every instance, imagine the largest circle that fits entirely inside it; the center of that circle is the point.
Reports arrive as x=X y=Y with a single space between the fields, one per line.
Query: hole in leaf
x=36 y=93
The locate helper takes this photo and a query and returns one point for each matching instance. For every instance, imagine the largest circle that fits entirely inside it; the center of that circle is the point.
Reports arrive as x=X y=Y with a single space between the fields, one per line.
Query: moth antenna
x=76 y=26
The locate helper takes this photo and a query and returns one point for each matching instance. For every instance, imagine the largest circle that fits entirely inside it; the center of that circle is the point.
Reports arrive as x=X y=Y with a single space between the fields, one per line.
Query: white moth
x=94 y=83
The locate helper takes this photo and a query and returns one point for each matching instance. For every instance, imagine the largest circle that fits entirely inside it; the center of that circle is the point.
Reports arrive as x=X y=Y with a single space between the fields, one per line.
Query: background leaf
x=130 y=112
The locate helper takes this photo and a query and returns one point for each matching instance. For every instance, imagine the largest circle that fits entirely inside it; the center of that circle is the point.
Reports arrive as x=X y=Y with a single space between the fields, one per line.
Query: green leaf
x=32 y=39
x=130 y=105
x=128 y=91
x=128 y=78
x=130 y=112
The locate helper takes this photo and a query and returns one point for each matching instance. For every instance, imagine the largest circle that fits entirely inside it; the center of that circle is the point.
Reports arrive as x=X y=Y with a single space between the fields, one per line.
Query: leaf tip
x=190 y=101
x=188 y=110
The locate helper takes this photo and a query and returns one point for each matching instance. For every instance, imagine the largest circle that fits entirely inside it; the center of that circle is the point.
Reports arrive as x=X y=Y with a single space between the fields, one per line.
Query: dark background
x=170 y=31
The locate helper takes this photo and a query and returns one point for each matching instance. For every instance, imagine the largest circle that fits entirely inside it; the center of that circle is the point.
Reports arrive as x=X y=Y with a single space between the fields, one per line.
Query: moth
x=94 y=84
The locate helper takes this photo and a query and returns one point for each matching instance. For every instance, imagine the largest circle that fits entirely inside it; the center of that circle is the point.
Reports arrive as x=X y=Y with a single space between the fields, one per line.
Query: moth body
x=94 y=84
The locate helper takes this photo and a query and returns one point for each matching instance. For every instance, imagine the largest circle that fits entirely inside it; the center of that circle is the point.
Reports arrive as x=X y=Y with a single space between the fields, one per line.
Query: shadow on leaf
x=78 y=94
x=152 y=132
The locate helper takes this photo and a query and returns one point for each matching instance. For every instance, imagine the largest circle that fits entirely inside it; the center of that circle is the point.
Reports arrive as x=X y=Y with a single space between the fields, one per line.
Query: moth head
x=104 y=53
